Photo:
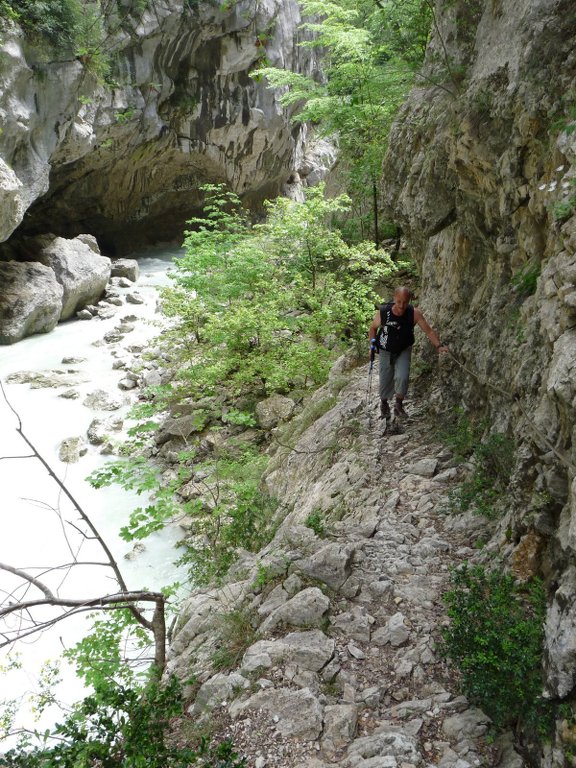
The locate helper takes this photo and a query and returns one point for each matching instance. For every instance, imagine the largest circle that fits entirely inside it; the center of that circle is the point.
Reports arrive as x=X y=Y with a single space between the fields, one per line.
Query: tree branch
x=27 y=577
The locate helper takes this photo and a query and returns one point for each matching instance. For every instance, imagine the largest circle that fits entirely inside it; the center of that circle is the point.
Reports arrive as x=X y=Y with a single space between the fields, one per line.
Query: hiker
x=394 y=341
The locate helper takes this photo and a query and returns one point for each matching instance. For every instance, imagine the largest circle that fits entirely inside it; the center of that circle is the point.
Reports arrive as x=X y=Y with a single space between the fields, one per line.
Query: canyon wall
x=124 y=159
x=481 y=176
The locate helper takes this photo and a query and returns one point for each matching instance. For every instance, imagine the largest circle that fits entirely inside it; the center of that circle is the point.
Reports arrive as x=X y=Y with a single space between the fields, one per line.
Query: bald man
x=397 y=320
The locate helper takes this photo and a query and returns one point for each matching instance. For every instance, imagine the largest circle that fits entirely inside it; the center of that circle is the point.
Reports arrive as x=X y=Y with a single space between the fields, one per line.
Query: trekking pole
x=369 y=387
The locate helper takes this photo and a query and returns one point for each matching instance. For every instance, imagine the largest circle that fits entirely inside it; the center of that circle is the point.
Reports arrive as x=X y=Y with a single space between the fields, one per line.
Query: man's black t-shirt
x=397 y=331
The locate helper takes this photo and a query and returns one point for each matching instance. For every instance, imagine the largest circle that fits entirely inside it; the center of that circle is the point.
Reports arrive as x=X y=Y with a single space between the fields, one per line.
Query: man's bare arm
x=420 y=320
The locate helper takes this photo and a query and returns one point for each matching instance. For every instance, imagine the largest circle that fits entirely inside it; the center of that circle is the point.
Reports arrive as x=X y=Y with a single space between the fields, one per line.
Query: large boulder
x=81 y=272
x=127 y=268
x=273 y=410
x=30 y=300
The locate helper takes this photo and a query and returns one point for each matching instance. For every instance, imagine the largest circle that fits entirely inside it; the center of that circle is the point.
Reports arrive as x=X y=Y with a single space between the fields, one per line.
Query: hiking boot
x=399 y=412
x=384 y=409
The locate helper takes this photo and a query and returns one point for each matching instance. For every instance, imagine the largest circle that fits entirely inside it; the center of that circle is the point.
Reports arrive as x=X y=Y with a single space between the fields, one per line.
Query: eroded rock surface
x=126 y=162
x=366 y=686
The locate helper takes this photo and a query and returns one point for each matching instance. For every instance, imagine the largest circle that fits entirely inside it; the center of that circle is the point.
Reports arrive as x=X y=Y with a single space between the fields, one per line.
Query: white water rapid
x=32 y=534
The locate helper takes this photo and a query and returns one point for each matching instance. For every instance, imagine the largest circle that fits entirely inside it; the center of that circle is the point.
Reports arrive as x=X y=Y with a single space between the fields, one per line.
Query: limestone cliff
x=124 y=160
x=480 y=175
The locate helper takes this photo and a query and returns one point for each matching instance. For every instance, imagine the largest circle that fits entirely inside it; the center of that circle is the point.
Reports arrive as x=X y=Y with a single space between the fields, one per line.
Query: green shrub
x=236 y=635
x=525 y=280
x=461 y=434
x=485 y=489
x=315 y=521
x=495 y=638
x=54 y=20
x=123 y=727
x=492 y=460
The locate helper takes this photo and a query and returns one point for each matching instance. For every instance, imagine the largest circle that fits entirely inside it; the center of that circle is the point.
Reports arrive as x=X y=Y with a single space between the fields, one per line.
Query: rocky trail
x=343 y=664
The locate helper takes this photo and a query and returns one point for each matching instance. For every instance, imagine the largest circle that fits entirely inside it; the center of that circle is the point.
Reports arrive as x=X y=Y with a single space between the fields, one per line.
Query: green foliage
x=495 y=638
x=370 y=54
x=564 y=209
x=54 y=20
x=240 y=418
x=492 y=462
x=122 y=727
x=255 y=304
x=234 y=513
x=315 y=521
x=461 y=434
x=525 y=280
x=236 y=635
x=484 y=491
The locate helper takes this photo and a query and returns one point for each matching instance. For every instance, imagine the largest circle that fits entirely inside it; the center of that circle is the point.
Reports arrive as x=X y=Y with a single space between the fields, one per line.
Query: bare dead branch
x=27 y=577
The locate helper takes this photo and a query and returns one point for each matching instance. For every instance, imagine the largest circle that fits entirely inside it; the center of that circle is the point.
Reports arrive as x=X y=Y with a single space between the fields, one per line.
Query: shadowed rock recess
x=124 y=160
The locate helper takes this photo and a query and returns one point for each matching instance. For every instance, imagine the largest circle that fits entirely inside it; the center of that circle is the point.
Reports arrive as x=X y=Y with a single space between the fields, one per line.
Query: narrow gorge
x=345 y=552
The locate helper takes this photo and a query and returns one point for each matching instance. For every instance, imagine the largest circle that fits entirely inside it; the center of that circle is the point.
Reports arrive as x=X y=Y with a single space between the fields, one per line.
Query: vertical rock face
x=481 y=175
x=125 y=160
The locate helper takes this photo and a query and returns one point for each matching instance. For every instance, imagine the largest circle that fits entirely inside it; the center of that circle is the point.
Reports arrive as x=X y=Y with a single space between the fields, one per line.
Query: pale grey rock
x=182 y=427
x=218 y=691
x=71 y=449
x=12 y=206
x=98 y=430
x=560 y=637
x=295 y=713
x=387 y=744
x=509 y=758
x=411 y=707
x=116 y=301
x=70 y=394
x=100 y=400
x=275 y=599
x=355 y=652
x=423 y=467
x=395 y=632
x=310 y=650
x=340 y=721
x=30 y=300
x=84 y=314
x=306 y=609
x=71 y=360
x=466 y=725
x=372 y=696
x=127 y=384
x=151 y=379
x=332 y=564
x=47 y=379
x=105 y=312
x=273 y=410
x=138 y=548
x=134 y=298
x=355 y=623
x=82 y=274
x=127 y=268
x=90 y=241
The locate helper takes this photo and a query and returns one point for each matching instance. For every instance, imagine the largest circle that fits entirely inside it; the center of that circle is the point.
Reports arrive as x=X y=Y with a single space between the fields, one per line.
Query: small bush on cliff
x=492 y=462
x=496 y=638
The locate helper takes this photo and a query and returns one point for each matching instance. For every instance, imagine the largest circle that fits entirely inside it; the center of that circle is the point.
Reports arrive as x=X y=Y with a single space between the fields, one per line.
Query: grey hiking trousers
x=394 y=373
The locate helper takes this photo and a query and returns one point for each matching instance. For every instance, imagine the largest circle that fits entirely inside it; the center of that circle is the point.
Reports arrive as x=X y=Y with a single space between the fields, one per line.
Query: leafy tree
x=371 y=52
x=259 y=302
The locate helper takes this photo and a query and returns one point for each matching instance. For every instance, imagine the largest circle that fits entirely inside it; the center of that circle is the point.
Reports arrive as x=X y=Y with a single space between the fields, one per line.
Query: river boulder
x=81 y=272
x=30 y=301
